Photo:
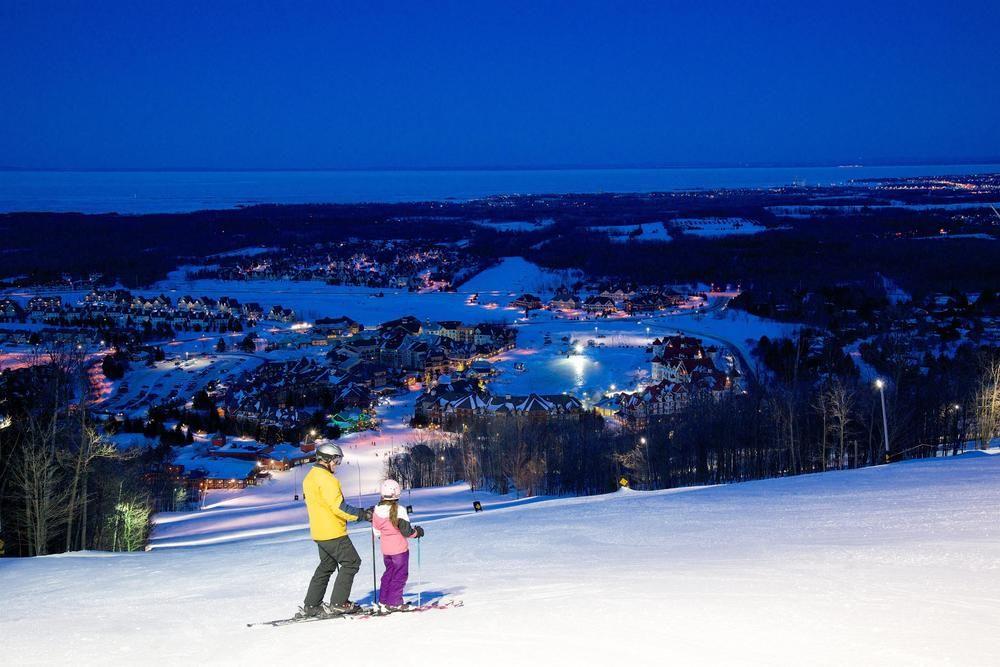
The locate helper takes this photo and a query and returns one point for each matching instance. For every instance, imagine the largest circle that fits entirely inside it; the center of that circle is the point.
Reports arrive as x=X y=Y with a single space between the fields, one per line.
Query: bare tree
x=91 y=448
x=840 y=402
x=988 y=404
x=37 y=477
x=821 y=405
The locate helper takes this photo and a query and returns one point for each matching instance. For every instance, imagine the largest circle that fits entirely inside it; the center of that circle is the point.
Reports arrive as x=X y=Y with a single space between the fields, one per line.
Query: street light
x=880 y=385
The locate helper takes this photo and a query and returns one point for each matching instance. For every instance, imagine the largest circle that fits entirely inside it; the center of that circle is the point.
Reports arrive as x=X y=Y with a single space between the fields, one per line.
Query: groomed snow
x=889 y=565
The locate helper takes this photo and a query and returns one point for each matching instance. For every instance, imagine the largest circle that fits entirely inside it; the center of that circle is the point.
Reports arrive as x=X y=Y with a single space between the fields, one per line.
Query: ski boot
x=345 y=608
x=318 y=611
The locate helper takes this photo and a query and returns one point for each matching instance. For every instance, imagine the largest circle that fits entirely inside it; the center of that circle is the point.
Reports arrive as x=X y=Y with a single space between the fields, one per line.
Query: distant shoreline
x=857 y=164
x=179 y=191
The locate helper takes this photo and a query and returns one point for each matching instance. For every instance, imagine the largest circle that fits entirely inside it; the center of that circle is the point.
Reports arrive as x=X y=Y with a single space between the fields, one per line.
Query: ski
x=430 y=606
x=277 y=623
x=366 y=613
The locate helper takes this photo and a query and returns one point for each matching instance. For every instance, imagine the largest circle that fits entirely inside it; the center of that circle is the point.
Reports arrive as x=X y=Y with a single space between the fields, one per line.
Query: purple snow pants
x=397 y=569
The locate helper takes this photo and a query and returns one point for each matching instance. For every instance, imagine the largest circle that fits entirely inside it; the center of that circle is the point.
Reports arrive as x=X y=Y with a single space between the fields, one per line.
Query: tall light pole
x=880 y=385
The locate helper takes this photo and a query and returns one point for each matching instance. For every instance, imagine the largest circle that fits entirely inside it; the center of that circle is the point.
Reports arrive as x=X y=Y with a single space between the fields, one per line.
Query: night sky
x=96 y=85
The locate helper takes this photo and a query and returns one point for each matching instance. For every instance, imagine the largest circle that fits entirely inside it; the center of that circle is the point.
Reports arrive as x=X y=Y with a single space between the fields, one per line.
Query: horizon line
x=992 y=160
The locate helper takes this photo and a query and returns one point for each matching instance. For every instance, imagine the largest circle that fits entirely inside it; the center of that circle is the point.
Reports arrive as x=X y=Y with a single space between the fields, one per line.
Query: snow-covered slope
x=897 y=564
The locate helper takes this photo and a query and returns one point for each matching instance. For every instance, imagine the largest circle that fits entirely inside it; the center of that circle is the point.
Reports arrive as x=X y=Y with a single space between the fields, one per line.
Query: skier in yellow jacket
x=329 y=514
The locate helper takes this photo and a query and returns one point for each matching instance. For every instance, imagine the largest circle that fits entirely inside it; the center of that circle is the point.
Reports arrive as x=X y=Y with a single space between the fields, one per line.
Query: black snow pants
x=337 y=555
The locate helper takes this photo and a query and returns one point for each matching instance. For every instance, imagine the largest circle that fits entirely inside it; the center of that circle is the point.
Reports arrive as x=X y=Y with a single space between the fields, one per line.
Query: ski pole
x=420 y=577
x=374 y=586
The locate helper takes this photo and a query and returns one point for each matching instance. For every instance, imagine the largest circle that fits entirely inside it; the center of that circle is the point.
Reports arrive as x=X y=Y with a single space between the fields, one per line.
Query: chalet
x=404 y=325
x=564 y=300
x=285 y=456
x=228 y=305
x=148 y=303
x=527 y=302
x=10 y=311
x=355 y=396
x=599 y=304
x=253 y=311
x=38 y=304
x=649 y=302
x=451 y=329
x=365 y=347
x=233 y=474
x=617 y=294
x=496 y=336
x=336 y=327
x=663 y=398
x=280 y=314
x=107 y=298
x=451 y=401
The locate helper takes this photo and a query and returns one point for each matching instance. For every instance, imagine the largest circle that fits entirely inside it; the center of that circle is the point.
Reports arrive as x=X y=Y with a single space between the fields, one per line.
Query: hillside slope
x=890 y=565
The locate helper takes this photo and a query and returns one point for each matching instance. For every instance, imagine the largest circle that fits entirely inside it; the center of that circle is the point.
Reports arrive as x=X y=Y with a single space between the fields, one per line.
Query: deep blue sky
x=423 y=84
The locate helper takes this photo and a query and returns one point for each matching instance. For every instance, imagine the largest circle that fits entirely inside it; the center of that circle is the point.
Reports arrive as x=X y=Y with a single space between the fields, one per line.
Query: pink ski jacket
x=393 y=538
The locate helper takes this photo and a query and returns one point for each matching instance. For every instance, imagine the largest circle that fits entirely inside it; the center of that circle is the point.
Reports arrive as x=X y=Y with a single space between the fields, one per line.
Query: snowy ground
x=173 y=379
x=890 y=565
x=648 y=231
x=714 y=227
x=515 y=226
x=497 y=287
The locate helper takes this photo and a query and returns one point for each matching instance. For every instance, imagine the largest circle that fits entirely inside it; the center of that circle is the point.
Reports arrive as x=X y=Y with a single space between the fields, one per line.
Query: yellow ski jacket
x=328 y=512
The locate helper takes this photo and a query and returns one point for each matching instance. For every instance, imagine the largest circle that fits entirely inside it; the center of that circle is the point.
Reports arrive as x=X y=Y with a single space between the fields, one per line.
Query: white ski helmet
x=328 y=452
x=390 y=490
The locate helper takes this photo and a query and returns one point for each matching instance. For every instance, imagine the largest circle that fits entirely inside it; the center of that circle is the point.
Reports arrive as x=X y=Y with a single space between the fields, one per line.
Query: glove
x=366 y=514
x=419 y=531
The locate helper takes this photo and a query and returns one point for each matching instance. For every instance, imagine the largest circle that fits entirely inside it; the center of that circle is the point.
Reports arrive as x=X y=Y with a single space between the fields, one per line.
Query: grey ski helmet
x=328 y=452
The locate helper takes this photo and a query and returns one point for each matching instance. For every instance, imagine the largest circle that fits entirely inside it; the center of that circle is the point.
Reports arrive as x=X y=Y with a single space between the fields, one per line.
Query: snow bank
x=889 y=565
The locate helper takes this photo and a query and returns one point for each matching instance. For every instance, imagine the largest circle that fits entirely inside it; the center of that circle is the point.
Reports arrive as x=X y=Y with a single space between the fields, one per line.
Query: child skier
x=392 y=524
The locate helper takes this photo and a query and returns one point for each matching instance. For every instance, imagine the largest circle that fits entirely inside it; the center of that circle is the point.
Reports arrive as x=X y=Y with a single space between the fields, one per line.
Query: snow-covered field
x=499 y=285
x=891 y=565
x=515 y=226
x=713 y=227
x=174 y=379
x=647 y=231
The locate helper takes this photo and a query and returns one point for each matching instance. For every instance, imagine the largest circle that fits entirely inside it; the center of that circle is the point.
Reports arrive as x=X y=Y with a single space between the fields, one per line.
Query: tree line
x=808 y=412
x=63 y=485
